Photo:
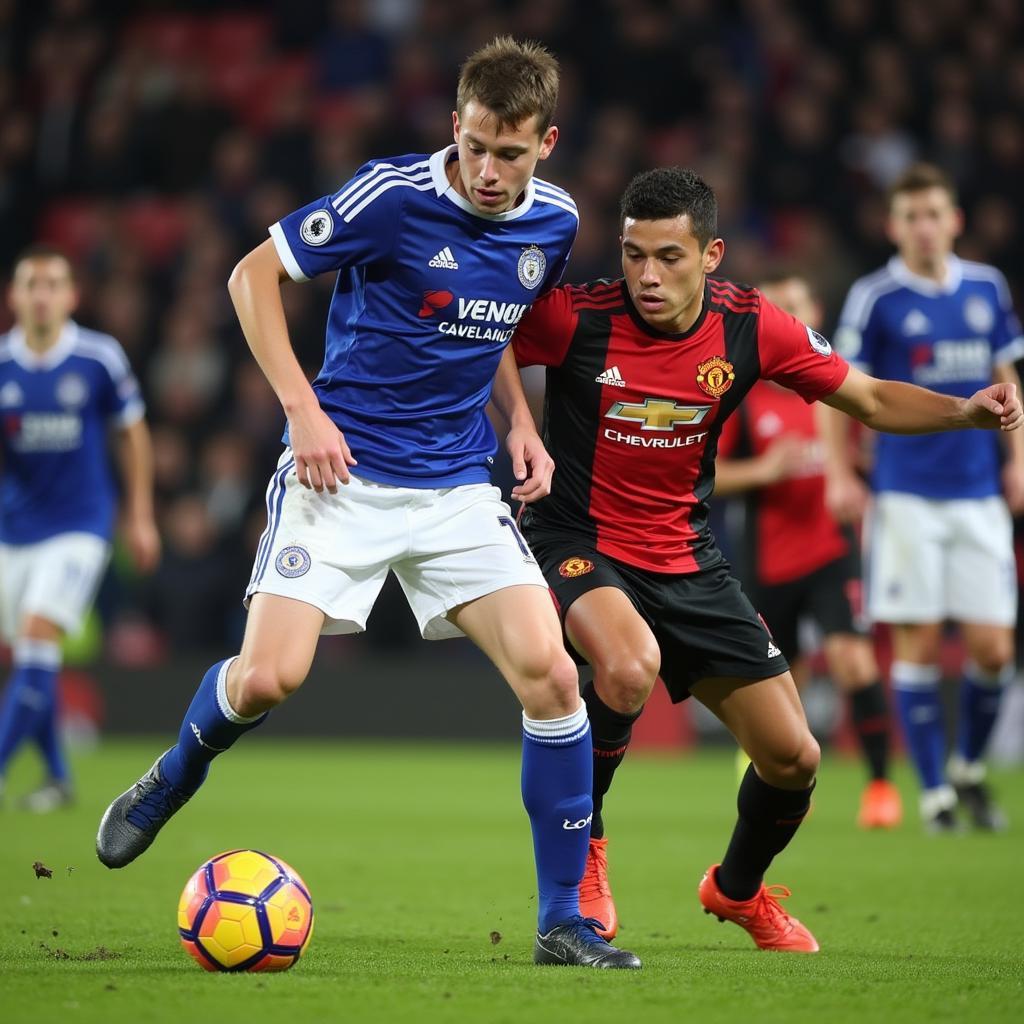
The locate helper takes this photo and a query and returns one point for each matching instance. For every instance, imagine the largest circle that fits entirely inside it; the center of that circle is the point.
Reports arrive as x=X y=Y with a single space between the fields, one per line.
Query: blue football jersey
x=57 y=407
x=948 y=338
x=427 y=296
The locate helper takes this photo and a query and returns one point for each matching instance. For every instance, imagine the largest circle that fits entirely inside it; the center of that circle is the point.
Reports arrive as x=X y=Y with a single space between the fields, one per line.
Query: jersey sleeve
x=355 y=226
x=797 y=357
x=857 y=334
x=1007 y=337
x=545 y=333
x=120 y=396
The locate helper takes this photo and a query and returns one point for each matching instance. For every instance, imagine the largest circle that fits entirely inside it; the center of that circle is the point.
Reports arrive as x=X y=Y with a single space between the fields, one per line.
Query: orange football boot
x=880 y=805
x=769 y=925
x=595 y=894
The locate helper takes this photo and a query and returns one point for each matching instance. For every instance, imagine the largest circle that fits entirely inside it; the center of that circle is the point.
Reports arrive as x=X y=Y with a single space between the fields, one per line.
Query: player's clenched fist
x=998 y=405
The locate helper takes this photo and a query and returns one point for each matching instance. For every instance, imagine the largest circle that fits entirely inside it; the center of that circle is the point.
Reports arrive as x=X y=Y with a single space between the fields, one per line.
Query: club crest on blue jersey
x=292 y=561
x=317 y=228
x=72 y=390
x=979 y=314
x=532 y=264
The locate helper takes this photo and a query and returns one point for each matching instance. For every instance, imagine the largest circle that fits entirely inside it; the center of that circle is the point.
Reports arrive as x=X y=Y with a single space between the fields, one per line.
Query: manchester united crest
x=715 y=376
x=573 y=567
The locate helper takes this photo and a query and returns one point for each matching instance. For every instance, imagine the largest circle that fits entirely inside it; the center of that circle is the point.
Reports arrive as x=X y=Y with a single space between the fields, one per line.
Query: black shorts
x=830 y=596
x=702 y=621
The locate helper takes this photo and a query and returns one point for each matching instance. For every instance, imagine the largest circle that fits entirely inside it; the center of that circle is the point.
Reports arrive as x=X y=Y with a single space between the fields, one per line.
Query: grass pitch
x=418 y=859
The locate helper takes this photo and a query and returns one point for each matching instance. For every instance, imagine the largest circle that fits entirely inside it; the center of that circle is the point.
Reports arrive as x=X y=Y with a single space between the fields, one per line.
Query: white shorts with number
x=930 y=560
x=447 y=546
x=55 y=579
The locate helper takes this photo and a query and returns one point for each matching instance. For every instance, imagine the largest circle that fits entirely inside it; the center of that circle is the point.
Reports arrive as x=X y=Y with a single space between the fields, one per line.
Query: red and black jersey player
x=642 y=373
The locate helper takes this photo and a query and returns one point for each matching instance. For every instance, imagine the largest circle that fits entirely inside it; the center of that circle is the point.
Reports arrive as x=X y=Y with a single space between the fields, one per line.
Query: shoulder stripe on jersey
x=114 y=361
x=974 y=271
x=425 y=186
x=733 y=307
x=598 y=307
x=376 y=172
x=344 y=203
x=542 y=189
x=732 y=288
x=863 y=296
x=540 y=197
x=597 y=288
x=551 y=187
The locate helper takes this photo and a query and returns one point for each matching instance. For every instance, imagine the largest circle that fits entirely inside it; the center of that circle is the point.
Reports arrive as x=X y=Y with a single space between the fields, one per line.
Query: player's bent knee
x=625 y=685
x=262 y=686
x=548 y=684
x=994 y=658
x=792 y=766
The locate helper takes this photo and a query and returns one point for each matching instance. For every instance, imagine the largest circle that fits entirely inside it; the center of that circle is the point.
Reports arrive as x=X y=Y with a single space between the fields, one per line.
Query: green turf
x=415 y=854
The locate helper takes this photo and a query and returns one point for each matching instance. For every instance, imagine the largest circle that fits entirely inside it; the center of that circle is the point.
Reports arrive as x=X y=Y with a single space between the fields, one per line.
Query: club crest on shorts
x=292 y=561
x=532 y=264
x=715 y=376
x=317 y=228
x=573 y=567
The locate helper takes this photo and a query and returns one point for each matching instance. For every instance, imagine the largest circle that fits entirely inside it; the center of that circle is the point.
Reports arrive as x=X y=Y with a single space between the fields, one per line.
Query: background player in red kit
x=797 y=562
x=642 y=374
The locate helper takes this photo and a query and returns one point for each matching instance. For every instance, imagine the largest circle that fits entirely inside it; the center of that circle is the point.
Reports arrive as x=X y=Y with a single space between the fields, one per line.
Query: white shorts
x=55 y=579
x=447 y=546
x=930 y=560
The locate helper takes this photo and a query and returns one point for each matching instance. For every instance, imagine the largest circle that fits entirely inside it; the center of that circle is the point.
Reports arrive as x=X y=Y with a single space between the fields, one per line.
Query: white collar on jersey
x=438 y=162
x=53 y=356
x=925 y=285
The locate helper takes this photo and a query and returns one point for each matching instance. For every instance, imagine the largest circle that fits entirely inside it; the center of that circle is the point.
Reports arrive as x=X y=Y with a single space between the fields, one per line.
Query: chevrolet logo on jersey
x=657 y=413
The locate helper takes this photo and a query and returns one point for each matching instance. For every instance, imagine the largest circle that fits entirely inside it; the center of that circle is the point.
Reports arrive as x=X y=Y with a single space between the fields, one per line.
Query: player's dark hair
x=668 y=192
x=918 y=177
x=42 y=251
x=512 y=79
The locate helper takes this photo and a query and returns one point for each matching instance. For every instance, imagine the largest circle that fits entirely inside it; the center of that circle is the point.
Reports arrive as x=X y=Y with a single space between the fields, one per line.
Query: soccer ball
x=245 y=911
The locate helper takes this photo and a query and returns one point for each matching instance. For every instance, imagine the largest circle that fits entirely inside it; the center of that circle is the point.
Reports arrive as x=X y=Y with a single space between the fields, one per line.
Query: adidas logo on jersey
x=444 y=260
x=611 y=376
x=915 y=322
x=773 y=651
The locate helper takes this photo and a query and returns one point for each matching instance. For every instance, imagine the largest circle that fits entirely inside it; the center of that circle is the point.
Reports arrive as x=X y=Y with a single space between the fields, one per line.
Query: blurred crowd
x=155 y=142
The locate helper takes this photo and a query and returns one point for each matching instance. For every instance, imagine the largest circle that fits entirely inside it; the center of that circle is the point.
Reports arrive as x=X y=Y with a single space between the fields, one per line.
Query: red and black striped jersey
x=790 y=531
x=632 y=416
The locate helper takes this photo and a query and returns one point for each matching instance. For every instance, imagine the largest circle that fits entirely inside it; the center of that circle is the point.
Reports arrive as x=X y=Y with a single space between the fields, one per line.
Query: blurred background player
x=388 y=458
x=61 y=389
x=642 y=374
x=797 y=562
x=940 y=535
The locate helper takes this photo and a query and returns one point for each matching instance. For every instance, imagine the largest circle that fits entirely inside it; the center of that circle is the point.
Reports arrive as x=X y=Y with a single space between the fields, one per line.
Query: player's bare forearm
x=322 y=455
x=255 y=290
x=135 y=456
x=896 y=407
x=508 y=395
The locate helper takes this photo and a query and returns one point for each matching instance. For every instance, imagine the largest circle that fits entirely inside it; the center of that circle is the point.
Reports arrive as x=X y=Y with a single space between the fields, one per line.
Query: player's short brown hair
x=512 y=79
x=43 y=251
x=918 y=177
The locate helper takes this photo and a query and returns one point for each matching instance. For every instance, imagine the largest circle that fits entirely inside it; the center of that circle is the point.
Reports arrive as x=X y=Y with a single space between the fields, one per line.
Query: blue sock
x=558 y=774
x=210 y=726
x=48 y=739
x=918 y=703
x=31 y=695
x=980 y=696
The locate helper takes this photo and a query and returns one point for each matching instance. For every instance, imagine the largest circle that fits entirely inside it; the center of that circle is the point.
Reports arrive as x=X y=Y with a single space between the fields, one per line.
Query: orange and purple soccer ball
x=245 y=911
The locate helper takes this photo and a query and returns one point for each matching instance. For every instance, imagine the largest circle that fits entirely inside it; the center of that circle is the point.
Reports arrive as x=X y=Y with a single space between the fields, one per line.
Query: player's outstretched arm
x=531 y=464
x=135 y=457
x=899 y=408
x=322 y=456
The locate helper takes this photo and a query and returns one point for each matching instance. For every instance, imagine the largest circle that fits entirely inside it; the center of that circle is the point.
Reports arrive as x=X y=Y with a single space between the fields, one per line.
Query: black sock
x=768 y=819
x=609 y=731
x=870 y=714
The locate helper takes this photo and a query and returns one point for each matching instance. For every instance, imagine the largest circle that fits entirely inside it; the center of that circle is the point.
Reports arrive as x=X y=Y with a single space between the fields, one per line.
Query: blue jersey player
x=387 y=460
x=62 y=387
x=939 y=539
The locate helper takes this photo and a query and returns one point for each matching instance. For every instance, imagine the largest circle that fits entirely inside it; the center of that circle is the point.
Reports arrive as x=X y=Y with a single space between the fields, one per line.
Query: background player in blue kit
x=388 y=456
x=61 y=386
x=940 y=543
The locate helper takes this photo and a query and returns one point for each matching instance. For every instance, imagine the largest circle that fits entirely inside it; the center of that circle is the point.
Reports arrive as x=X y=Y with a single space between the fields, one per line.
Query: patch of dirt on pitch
x=41 y=870
x=99 y=953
